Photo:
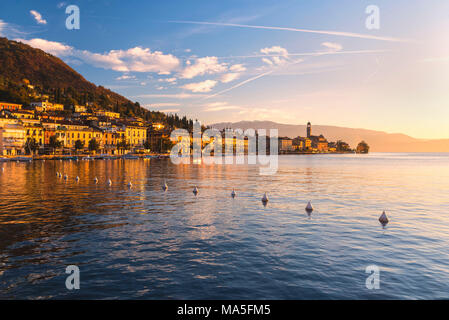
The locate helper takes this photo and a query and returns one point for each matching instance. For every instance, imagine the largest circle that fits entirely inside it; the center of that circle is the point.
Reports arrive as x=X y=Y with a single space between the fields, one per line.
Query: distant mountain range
x=378 y=141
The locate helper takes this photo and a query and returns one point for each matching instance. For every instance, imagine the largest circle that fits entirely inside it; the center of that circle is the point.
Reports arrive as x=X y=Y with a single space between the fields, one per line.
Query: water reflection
x=142 y=242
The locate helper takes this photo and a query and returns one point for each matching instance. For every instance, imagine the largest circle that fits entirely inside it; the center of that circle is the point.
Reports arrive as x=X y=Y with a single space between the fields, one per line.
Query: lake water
x=142 y=243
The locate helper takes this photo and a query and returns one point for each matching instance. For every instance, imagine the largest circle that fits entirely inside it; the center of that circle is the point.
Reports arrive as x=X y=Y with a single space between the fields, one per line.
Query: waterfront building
x=10 y=106
x=36 y=132
x=285 y=144
x=136 y=135
x=12 y=139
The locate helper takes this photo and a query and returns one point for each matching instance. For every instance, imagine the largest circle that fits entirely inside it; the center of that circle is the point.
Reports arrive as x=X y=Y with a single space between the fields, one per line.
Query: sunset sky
x=284 y=61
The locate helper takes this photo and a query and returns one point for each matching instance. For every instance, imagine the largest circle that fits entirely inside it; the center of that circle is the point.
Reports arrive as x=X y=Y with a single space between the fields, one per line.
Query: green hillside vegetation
x=21 y=65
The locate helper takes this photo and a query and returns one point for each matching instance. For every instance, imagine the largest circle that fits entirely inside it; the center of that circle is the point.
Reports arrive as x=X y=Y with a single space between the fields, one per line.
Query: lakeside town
x=48 y=129
x=51 y=124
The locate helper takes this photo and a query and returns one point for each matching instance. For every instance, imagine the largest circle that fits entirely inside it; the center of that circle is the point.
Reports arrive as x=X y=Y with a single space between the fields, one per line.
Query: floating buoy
x=60 y=175
x=77 y=179
x=109 y=182
x=65 y=177
x=195 y=190
x=165 y=187
x=383 y=218
x=265 y=199
x=309 y=207
x=233 y=193
x=130 y=184
x=96 y=180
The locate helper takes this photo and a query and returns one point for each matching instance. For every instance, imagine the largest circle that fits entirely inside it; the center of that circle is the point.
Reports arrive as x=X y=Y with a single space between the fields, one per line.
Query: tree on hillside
x=343 y=146
x=362 y=147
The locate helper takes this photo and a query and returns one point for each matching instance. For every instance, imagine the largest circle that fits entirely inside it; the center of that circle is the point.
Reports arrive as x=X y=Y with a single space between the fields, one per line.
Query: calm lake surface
x=142 y=243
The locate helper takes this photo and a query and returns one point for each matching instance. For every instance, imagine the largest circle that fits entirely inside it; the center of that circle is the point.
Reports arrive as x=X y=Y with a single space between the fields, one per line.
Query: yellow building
x=108 y=114
x=23 y=114
x=36 y=132
x=12 y=139
x=45 y=106
x=84 y=135
x=285 y=144
x=136 y=136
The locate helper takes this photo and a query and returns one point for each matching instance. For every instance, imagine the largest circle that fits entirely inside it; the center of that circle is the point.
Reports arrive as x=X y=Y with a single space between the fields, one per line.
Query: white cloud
x=136 y=59
x=332 y=46
x=52 y=47
x=203 y=86
x=229 y=77
x=125 y=77
x=202 y=66
x=237 y=68
x=276 y=55
x=2 y=27
x=169 y=110
x=220 y=106
x=168 y=80
x=275 y=50
x=164 y=105
x=267 y=61
x=171 y=96
x=38 y=17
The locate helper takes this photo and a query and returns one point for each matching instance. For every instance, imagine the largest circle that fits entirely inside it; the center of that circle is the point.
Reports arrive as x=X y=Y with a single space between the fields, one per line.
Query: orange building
x=10 y=106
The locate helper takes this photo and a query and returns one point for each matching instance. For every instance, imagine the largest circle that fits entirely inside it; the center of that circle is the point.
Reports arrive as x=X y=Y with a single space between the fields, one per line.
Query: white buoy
x=383 y=218
x=195 y=190
x=165 y=187
x=65 y=177
x=265 y=198
x=233 y=193
x=77 y=179
x=309 y=207
x=60 y=175
x=96 y=180
x=57 y=174
x=130 y=184
x=109 y=182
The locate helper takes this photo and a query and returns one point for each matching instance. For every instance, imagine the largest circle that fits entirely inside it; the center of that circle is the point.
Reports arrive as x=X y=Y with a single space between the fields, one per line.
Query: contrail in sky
x=324 y=53
x=327 y=32
x=239 y=84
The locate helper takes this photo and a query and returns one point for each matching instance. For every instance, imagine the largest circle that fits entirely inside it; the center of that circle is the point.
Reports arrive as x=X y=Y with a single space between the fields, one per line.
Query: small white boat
x=77 y=179
x=233 y=194
x=195 y=190
x=109 y=182
x=130 y=185
x=96 y=180
x=165 y=187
